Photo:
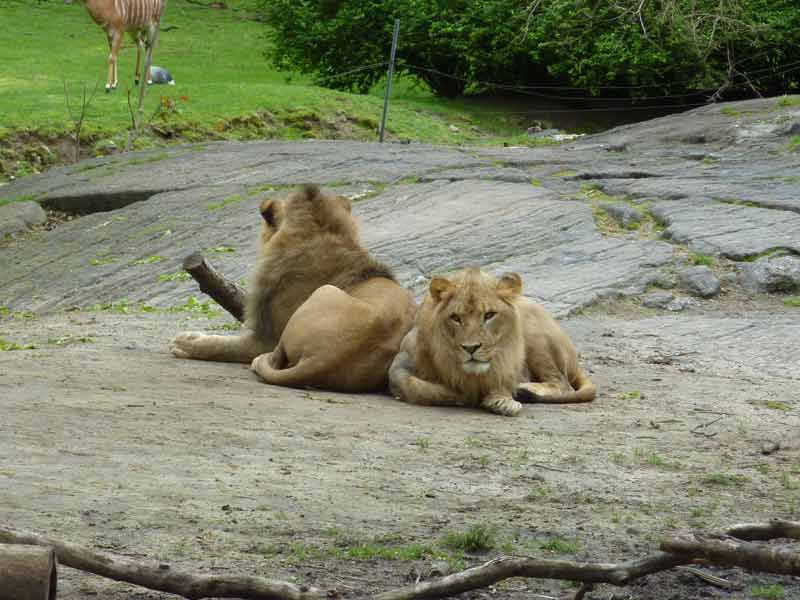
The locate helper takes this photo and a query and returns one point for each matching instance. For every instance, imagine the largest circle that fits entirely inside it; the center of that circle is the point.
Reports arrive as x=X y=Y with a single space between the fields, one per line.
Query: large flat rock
x=723 y=181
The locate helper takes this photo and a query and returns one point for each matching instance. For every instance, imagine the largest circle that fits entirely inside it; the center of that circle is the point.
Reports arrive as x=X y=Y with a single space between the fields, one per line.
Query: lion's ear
x=509 y=285
x=441 y=288
x=271 y=211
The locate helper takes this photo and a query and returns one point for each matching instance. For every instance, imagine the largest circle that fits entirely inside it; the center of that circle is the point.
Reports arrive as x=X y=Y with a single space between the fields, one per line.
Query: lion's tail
x=300 y=375
x=583 y=391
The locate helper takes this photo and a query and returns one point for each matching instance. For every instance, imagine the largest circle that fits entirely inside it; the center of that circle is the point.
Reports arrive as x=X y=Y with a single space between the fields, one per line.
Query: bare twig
x=78 y=121
x=162 y=577
x=708 y=577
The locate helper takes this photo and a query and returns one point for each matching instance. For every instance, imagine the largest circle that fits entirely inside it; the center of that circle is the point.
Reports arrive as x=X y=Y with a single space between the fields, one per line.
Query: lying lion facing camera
x=321 y=312
x=478 y=342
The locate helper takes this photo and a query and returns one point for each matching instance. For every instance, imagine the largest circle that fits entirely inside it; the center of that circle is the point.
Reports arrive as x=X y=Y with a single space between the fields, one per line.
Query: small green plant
x=193 y=305
x=225 y=202
x=477 y=538
x=792 y=301
x=540 y=492
x=6 y=346
x=786 y=101
x=789 y=483
x=182 y=276
x=222 y=249
x=656 y=460
x=232 y=326
x=726 y=479
x=560 y=546
x=704 y=260
x=473 y=442
x=777 y=405
x=774 y=591
x=632 y=395
x=66 y=340
x=149 y=260
x=422 y=443
x=483 y=460
x=731 y=112
x=98 y=262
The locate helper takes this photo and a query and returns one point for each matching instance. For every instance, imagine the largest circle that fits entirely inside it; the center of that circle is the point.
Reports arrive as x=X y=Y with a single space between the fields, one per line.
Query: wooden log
x=27 y=572
x=225 y=292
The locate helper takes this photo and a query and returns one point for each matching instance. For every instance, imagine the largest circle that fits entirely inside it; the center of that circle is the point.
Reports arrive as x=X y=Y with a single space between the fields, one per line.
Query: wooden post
x=27 y=572
x=389 y=76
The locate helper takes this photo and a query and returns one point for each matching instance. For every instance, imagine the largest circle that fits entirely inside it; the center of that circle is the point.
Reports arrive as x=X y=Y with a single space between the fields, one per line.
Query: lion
x=478 y=342
x=321 y=312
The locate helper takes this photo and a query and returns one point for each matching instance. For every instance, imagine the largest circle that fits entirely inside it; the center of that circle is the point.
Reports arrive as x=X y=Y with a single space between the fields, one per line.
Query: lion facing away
x=321 y=312
x=478 y=342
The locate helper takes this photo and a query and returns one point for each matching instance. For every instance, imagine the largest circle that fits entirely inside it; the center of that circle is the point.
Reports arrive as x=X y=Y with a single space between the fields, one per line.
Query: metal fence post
x=389 y=77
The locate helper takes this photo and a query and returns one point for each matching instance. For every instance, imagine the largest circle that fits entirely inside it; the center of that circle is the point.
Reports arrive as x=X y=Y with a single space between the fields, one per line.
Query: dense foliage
x=663 y=46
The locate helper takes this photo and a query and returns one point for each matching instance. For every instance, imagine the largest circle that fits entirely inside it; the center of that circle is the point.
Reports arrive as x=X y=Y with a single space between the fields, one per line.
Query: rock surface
x=658 y=299
x=723 y=184
x=777 y=274
x=17 y=216
x=699 y=281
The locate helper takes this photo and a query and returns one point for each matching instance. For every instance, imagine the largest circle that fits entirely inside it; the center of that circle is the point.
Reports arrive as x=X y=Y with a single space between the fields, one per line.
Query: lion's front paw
x=502 y=405
x=185 y=345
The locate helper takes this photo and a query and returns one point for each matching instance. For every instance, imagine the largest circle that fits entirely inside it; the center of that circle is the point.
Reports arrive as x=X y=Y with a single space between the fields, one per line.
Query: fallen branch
x=502 y=568
x=227 y=294
x=162 y=577
x=719 y=551
x=736 y=553
x=776 y=528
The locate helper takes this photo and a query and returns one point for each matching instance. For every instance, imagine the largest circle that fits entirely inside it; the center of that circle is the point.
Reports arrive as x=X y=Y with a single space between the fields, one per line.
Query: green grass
x=6 y=346
x=559 y=546
x=725 y=479
x=786 y=101
x=792 y=301
x=704 y=260
x=225 y=88
x=477 y=538
x=768 y=592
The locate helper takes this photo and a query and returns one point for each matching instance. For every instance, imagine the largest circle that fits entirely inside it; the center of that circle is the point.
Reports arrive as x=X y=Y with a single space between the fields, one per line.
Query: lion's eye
x=488 y=316
x=455 y=318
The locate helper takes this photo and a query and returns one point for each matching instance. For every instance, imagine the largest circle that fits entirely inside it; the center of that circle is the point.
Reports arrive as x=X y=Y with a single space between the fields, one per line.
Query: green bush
x=672 y=47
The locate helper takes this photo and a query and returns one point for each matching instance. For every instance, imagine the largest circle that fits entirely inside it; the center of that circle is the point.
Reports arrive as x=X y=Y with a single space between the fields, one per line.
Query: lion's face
x=476 y=320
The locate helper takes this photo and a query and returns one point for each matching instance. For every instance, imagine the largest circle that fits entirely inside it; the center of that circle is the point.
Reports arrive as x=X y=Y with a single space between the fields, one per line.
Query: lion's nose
x=470 y=348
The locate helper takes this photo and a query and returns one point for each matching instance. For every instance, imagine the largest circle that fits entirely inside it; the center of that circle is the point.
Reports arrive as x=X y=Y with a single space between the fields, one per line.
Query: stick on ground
x=162 y=577
x=225 y=292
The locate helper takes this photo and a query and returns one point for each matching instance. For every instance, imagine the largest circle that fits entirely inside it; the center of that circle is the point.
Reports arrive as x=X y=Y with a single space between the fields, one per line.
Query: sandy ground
x=109 y=441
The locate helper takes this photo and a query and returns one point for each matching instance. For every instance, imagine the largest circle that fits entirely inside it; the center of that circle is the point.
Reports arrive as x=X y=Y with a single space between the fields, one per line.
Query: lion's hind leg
x=225 y=348
x=406 y=386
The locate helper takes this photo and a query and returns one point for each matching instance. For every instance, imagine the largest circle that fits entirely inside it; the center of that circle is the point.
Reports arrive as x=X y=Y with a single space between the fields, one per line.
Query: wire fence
x=737 y=81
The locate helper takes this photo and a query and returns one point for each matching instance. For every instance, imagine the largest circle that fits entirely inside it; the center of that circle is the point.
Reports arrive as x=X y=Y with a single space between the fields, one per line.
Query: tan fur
x=321 y=312
x=478 y=342
x=139 y=18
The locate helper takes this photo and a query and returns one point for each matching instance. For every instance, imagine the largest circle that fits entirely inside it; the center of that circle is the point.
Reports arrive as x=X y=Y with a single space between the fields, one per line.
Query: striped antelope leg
x=139 y=18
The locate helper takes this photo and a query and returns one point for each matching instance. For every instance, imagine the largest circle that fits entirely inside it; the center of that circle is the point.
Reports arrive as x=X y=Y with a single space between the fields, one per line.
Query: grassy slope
x=216 y=59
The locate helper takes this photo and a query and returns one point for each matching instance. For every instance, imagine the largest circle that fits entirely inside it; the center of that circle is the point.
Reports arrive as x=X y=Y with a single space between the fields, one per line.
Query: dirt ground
x=107 y=440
